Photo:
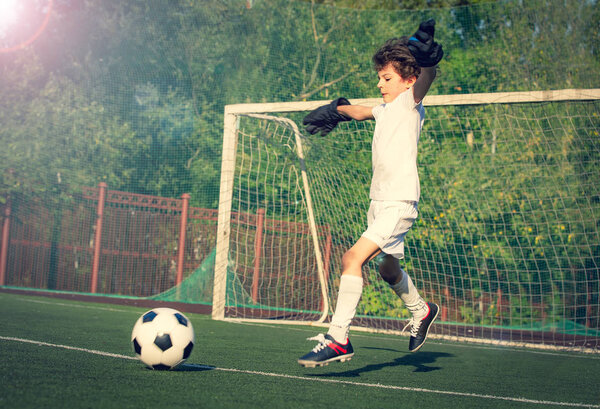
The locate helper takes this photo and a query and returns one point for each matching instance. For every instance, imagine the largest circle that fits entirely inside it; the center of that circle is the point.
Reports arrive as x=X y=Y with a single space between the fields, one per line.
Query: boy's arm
x=325 y=118
x=356 y=112
x=423 y=83
x=428 y=54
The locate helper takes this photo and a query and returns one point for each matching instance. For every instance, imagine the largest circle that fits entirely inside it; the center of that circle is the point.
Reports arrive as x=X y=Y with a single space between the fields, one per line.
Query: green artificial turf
x=254 y=366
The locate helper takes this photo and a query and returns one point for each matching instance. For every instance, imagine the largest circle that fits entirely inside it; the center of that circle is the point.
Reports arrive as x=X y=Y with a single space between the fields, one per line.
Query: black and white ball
x=163 y=338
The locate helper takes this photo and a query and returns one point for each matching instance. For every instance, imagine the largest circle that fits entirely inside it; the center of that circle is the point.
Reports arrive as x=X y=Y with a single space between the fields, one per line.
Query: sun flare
x=22 y=22
x=9 y=12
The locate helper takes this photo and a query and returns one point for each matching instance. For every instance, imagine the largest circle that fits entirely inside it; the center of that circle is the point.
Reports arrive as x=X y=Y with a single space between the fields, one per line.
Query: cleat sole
x=314 y=364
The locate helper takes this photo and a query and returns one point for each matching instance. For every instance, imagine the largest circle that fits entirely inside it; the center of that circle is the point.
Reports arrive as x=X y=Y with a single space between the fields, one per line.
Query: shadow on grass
x=194 y=368
x=421 y=361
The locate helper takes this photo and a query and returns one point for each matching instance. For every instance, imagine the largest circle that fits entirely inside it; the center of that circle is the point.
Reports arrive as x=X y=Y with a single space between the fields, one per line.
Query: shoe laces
x=414 y=327
x=322 y=342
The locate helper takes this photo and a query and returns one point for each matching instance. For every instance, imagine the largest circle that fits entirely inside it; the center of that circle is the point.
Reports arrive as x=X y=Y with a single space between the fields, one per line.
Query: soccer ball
x=162 y=338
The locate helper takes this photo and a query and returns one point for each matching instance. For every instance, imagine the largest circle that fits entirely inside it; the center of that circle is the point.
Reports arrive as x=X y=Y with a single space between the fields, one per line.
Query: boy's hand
x=325 y=118
x=427 y=52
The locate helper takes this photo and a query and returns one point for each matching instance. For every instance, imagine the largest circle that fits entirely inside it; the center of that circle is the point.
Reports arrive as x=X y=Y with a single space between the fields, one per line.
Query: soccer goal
x=507 y=241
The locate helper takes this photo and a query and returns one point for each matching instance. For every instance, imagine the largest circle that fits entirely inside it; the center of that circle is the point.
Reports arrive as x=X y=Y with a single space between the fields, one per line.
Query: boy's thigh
x=388 y=223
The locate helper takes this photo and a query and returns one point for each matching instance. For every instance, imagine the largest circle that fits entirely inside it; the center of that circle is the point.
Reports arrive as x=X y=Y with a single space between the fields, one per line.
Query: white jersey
x=397 y=130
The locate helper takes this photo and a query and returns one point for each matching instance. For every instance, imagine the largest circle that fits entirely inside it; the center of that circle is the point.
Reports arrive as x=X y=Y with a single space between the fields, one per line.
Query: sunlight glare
x=9 y=12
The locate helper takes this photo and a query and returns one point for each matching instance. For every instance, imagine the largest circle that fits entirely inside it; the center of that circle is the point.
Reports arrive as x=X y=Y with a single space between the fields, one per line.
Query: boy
x=406 y=69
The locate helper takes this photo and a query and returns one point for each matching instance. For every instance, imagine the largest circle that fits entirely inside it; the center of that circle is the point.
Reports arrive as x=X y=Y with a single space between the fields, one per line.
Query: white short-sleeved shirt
x=397 y=129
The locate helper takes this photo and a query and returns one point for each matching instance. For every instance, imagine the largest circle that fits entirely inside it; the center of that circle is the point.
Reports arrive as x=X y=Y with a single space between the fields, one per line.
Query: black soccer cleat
x=420 y=329
x=327 y=350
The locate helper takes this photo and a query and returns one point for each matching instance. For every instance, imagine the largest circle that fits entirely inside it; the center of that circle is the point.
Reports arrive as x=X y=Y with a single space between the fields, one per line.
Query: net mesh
x=506 y=240
x=273 y=254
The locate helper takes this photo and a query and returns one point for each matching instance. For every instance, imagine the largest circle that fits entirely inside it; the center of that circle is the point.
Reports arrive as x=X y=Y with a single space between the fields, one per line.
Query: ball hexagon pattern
x=162 y=338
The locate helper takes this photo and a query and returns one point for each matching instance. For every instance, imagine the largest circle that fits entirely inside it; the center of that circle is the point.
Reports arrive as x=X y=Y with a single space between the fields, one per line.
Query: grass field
x=58 y=353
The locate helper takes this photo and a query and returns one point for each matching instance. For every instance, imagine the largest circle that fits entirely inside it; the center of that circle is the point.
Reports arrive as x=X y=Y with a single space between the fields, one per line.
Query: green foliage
x=57 y=140
x=132 y=94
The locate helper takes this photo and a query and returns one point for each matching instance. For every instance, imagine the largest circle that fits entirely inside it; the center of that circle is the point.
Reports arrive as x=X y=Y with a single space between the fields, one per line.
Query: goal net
x=506 y=241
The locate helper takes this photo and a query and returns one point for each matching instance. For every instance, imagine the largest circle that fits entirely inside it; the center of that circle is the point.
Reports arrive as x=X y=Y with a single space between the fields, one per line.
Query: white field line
x=47 y=344
x=311 y=379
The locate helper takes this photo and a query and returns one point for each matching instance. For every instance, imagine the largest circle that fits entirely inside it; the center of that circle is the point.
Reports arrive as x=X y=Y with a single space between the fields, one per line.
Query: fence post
x=98 y=236
x=5 y=238
x=182 y=229
x=499 y=305
x=326 y=261
x=445 y=301
x=260 y=221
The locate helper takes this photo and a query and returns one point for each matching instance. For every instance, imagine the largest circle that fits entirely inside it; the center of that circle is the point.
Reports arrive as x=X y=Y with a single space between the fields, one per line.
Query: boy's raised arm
x=428 y=54
x=423 y=83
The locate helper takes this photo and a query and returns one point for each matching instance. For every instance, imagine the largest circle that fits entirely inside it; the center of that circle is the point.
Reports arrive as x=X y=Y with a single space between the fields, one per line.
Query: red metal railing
x=116 y=242
x=4 y=241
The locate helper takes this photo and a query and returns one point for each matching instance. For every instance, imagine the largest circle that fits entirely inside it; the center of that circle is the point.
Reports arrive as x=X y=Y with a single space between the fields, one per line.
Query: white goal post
x=265 y=202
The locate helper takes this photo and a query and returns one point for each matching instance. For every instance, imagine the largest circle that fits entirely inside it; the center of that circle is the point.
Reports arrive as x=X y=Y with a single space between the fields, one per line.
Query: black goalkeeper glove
x=427 y=52
x=325 y=118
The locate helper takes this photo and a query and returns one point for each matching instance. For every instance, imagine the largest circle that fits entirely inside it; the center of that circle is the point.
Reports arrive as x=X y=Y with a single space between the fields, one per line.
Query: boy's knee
x=389 y=269
x=350 y=259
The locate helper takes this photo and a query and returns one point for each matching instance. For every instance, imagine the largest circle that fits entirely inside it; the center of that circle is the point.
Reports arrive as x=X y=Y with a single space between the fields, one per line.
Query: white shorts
x=388 y=223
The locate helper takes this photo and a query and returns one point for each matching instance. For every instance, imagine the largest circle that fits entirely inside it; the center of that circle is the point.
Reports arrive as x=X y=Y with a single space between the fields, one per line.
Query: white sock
x=407 y=291
x=345 y=309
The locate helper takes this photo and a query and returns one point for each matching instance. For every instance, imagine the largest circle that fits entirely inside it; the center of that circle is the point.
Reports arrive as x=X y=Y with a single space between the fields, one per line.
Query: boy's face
x=391 y=84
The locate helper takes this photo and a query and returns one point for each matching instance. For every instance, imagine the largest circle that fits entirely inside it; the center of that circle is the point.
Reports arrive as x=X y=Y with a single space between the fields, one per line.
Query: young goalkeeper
x=406 y=69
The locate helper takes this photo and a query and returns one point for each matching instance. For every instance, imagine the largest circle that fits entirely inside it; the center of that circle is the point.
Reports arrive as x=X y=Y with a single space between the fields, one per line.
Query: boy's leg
x=335 y=346
x=350 y=289
x=401 y=283
x=423 y=314
x=348 y=298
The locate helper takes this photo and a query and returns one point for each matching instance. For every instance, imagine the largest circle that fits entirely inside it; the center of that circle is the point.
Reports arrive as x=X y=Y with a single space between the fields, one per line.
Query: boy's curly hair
x=395 y=51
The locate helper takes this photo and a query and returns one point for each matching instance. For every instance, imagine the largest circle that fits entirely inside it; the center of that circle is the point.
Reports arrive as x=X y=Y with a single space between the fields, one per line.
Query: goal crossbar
x=430 y=100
